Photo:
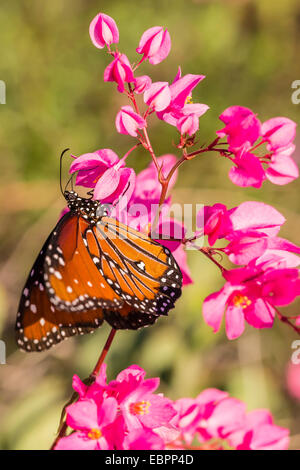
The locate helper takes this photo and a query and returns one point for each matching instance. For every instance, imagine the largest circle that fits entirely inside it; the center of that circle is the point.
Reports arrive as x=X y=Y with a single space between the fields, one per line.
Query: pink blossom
x=246 y=248
x=241 y=127
x=143 y=439
x=250 y=220
x=180 y=112
x=251 y=294
x=248 y=170
x=142 y=83
x=279 y=132
x=128 y=121
x=103 y=31
x=260 y=433
x=214 y=222
x=119 y=71
x=221 y=422
x=139 y=406
x=92 y=422
x=155 y=45
x=282 y=168
x=188 y=124
x=158 y=96
x=254 y=217
x=106 y=173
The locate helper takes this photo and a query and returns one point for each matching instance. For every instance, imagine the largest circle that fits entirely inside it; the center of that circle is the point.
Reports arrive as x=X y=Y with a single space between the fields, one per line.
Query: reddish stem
x=64 y=427
x=103 y=353
x=287 y=321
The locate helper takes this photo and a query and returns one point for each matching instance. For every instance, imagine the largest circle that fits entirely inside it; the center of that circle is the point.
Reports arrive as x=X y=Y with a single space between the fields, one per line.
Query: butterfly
x=90 y=269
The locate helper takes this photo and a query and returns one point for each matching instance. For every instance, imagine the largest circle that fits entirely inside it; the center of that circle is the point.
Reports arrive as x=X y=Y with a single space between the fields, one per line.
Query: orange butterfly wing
x=72 y=279
x=39 y=324
x=141 y=271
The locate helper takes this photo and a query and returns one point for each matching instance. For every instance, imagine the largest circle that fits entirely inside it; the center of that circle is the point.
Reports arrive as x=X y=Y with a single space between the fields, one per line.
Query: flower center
x=140 y=407
x=240 y=300
x=95 y=433
x=189 y=100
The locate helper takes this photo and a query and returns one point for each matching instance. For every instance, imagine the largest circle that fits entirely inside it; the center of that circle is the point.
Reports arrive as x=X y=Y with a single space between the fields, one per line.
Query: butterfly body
x=93 y=268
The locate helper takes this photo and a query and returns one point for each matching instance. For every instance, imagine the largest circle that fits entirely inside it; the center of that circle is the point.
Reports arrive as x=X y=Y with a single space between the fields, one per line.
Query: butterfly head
x=87 y=208
x=71 y=197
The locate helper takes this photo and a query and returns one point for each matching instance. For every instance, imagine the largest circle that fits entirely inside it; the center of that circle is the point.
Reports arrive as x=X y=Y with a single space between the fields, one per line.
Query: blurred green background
x=56 y=98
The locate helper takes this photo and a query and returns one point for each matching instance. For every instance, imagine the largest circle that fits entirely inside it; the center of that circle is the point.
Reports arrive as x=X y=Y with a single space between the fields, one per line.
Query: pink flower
x=103 y=31
x=119 y=71
x=214 y=222
x=155 y=45
x=282 y=168
x=248 y=170
x=180 y=112
x=142 y=83
x=219 y=421
x=254 y=217
x=188 y=124
x=242 y=127
x=92 y=422
x=139 y=406
x=260 y=433
x=105 y=172
x=143 y=439
x=128 y=121
x=279 y=132
x=250 y=220
x=126 y=414
x=158 y=96
x=250 y=294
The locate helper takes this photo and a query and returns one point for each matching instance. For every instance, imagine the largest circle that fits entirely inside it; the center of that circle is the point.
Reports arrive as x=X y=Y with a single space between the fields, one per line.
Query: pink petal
x=82 y=415
x=248 y=172
x=279 y=131
x=235 y=322
x=141 y=84
x=260 y=314
x=76 y=441
x=214 y=307
x=103 y=31
x=158 y=96
x=107 y=412
x=107 y=184
x=182 y=88
x=283 y=170
x=253 y=215
x=128 y=121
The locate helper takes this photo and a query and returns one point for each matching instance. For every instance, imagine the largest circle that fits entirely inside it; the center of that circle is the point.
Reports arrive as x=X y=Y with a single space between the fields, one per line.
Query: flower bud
x=128 y=121
x=119 y=71
x=103 y=31
x=141 y=84
x=155 y=44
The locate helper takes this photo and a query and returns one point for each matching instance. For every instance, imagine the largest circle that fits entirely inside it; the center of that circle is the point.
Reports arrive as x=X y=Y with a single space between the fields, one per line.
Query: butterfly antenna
x=72 y=181
x=60 y=169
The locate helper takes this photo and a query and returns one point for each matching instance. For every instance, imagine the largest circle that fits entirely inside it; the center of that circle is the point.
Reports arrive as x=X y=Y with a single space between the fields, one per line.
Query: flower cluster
x=267 y=275
x=127 y=414
x=245 y=134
